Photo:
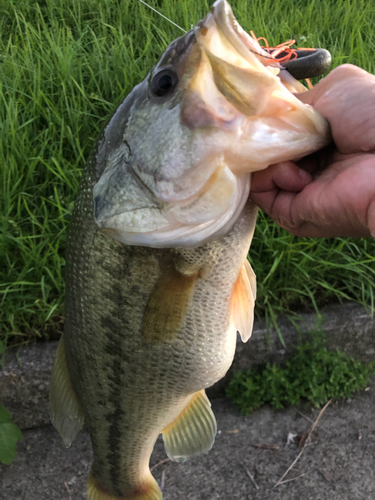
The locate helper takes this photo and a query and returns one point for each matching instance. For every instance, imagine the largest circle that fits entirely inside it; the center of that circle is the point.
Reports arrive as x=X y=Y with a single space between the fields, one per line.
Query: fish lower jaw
x=174 y=233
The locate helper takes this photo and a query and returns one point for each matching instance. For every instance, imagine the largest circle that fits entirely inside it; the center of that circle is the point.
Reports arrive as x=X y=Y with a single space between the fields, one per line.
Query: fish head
x=174 y=165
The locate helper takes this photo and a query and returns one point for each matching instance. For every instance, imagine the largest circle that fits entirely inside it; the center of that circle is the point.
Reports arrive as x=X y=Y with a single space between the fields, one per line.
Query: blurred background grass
x=65 y=65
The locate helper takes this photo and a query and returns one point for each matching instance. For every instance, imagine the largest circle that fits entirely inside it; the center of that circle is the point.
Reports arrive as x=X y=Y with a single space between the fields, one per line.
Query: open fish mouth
x=176 y=159
x=238 y=84
x=315 y=61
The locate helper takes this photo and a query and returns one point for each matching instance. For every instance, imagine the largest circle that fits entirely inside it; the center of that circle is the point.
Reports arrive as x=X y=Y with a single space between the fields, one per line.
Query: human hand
x=334 y=193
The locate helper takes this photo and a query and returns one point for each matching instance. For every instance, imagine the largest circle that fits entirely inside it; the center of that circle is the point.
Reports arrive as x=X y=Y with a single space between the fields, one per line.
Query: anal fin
x=193 y=432
x=243 y=299
x=66 y=413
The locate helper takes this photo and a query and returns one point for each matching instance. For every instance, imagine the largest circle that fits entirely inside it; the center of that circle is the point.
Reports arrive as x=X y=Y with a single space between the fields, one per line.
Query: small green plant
x=9 y=435
x=313 y=373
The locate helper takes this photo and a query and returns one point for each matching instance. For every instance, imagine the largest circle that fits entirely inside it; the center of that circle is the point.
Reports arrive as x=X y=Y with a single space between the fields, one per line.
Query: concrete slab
x=338 y=465
x=24 y=380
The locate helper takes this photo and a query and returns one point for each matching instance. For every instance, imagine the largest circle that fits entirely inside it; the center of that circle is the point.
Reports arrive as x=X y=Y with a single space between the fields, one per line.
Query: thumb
x=338 y=75
x=346 y=98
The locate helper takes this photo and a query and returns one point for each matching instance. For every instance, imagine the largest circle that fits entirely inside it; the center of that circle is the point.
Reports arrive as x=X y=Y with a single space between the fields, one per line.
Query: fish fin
x=243 y=299
x=193 y=432
x=167 y=306
x=149 y=491
x=66 y=413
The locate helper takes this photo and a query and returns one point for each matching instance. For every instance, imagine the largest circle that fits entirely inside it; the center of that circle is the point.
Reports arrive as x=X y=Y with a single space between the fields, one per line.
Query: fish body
x=133 y=383
x=157 y=278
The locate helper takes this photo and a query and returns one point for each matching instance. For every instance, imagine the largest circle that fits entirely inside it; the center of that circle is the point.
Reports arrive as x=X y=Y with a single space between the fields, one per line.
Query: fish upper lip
x=308 y=64
x=230 y=79
x=222 y=16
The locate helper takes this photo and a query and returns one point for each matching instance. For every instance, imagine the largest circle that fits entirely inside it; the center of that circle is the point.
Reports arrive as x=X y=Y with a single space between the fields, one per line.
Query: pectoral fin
x=66 y=412
x=193 y=432
x=243 y=299
x=167 y=306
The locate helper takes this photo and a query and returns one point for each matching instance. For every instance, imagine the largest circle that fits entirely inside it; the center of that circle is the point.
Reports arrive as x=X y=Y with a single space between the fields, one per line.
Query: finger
x=277 y=204
x=346 y=98
x=339 y=74
x=287 y=211
x=284 y=175
x=265 y=200
x=274 y=188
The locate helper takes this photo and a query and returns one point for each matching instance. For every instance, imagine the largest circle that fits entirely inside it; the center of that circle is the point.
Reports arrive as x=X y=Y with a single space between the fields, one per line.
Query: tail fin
x=150 y=491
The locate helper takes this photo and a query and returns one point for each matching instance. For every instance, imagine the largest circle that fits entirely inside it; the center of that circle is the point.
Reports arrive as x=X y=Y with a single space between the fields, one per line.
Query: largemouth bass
x=157 y=277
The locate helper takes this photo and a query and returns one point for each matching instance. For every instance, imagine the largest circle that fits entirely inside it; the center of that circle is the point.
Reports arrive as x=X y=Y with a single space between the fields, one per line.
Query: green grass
x=312 y=374
x=64 y=67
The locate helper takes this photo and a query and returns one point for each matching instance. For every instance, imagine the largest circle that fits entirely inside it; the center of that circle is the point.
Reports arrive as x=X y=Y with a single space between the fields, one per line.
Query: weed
x=312 y=373
x=9 y=435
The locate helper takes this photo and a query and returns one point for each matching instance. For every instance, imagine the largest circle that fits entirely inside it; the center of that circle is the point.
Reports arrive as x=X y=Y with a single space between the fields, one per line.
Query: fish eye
x=164 y=82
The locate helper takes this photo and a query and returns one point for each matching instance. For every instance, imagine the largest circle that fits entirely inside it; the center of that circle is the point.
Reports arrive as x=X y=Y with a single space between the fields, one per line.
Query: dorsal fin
x=243 y=299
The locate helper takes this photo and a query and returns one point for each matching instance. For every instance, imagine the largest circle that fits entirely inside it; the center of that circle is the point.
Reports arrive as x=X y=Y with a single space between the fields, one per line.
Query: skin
x=330 y=193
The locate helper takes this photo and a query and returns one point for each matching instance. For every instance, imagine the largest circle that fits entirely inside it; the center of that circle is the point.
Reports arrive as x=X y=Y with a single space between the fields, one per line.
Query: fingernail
x=304 y=176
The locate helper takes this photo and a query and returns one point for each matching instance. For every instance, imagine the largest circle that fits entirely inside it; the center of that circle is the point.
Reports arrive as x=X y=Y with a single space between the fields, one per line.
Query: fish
x=157 y=278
